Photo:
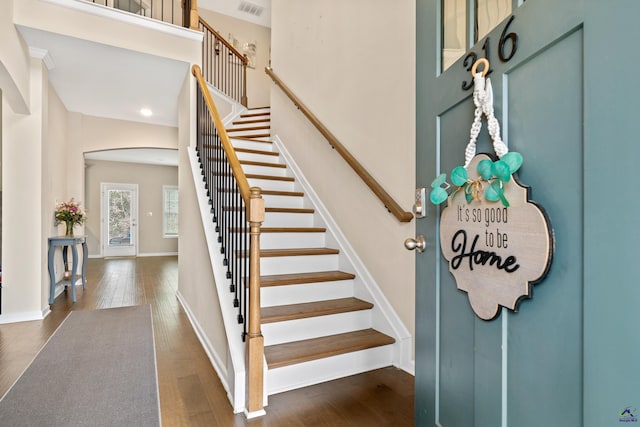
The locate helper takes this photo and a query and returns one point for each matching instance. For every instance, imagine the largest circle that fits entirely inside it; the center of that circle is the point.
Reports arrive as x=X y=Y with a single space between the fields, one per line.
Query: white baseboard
x=26 y=316
x=158 y=254
x=409 y=367
x=215 y=359
x=147 y=254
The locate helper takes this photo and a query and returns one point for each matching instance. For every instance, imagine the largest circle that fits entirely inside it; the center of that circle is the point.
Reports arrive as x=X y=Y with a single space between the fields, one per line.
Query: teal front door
x=566 y=85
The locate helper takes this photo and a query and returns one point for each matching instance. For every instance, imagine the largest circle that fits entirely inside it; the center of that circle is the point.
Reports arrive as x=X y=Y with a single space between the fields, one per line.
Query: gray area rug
x=97 y=369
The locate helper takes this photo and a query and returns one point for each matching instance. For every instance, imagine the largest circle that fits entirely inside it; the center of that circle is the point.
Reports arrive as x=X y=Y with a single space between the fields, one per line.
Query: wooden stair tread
x=261 y=152
x=317 y=348
x=281 y=313
x=293 y=229
x=297 y=252
x=252 y=139
x=283 y=193
x=271 y=177
x=289 y=210
x=247 y=128
x=265 y=164
x=299 y=278
x=223 y=160
x=244 y=122
x=264 y=113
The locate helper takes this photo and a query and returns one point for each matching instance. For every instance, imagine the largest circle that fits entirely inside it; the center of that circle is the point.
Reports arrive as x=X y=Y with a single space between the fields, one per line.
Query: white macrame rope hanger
x=483 y=100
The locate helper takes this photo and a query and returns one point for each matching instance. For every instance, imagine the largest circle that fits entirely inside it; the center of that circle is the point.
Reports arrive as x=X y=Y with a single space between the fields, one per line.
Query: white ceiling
x=106 y=81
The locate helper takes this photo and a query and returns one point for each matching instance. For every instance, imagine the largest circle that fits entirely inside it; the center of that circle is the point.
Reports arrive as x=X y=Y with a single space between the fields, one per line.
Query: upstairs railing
x=238 y=212
x=222 y=65
x=163 y=10
x=392 y=206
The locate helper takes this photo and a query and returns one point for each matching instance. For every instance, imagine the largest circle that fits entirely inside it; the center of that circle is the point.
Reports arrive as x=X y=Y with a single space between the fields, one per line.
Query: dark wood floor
x=190 y=392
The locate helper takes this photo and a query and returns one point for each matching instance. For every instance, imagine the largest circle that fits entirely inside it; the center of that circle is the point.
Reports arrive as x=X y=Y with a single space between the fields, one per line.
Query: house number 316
x=507 y=47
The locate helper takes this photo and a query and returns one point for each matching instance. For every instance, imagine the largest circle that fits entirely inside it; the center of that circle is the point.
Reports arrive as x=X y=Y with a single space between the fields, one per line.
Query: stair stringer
x=234 y=380
x=384 y=317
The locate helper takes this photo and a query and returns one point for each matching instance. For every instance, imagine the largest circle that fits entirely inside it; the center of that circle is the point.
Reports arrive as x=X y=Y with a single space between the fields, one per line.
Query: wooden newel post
x=243 y=99
x=255 y=342
x=193 y=15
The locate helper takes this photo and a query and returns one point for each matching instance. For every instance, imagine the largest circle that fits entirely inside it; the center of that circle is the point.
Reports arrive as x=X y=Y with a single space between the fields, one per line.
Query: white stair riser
x=253 y=157
x=291 y=240
x=283 y=201
x=327 y=369
x=251 y=145
x=264 y=170
x=252 y=113
x=314 y=327
x=305 y=292
x=297 y=264
x=271 y=184
x=280 y=219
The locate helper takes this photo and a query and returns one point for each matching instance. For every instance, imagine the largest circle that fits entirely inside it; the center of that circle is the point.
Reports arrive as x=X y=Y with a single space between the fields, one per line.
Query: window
x=487 y=14
x=170 y=211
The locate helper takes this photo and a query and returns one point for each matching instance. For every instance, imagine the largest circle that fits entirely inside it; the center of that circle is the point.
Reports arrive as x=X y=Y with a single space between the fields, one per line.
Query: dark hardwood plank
x=190 y=392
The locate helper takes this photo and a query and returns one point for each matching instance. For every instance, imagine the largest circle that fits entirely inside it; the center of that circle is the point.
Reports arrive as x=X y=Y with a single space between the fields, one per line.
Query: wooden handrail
x=235 y=51
x=391 y=205
x=243 y=184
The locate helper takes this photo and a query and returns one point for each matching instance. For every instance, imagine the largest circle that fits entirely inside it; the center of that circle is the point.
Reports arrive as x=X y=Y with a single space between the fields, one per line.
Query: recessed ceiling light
x=146 y=112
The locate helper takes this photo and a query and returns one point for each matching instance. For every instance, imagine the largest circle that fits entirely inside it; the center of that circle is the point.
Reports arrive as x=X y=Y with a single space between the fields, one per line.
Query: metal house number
x=507 y=47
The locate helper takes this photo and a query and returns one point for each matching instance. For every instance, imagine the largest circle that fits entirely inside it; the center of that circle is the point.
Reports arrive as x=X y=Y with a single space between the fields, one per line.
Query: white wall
x=14 y=62
x=352 y=63
x=196 y=284
x=23 y=239
x=257 y=80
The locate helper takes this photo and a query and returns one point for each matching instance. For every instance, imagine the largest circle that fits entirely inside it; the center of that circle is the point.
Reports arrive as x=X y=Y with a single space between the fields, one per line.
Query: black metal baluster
x=239 y=257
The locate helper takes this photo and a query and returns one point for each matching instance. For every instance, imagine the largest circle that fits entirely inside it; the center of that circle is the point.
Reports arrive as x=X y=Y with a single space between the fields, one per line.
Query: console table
x=64 y=242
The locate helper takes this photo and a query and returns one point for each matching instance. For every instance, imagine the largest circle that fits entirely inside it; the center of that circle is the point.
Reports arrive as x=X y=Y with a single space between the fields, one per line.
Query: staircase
x=315 y=328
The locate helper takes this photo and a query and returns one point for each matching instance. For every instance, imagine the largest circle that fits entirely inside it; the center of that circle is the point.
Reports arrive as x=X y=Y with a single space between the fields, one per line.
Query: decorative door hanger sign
x=497 y=241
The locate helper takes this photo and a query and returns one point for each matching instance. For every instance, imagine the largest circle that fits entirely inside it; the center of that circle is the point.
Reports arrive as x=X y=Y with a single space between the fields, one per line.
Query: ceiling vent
x=251 y=8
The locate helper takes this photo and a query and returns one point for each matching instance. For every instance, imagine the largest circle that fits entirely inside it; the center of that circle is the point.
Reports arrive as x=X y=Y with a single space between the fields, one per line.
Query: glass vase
x=69 y=228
